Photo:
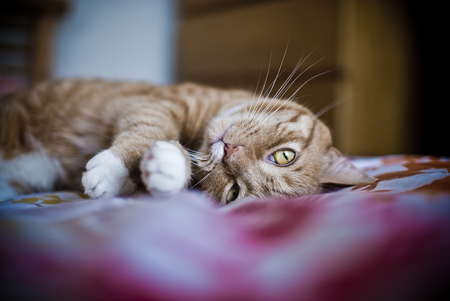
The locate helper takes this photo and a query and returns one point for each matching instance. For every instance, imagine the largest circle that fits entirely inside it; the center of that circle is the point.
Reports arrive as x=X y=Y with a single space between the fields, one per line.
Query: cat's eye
x=283 y=157
x=233 y=193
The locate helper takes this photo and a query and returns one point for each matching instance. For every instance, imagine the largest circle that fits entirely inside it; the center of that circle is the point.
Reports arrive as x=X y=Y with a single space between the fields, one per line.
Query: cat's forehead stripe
x=311 y=134
x=253 y=132
x=280 y=141
x=297 y=116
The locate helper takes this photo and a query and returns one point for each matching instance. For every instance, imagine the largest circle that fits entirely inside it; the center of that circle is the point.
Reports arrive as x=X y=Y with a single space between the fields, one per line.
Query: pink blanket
x=384 y=241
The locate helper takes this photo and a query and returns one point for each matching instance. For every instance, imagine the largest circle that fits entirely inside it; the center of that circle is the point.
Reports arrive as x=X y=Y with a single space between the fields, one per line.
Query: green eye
x=233 y=193
x=283 y=157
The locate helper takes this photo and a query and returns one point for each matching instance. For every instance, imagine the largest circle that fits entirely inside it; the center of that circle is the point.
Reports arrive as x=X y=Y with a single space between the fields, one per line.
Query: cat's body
x=123 y=135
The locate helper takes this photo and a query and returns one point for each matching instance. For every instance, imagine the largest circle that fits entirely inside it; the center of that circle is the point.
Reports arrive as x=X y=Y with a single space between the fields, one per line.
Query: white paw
x=106 y=176
x=164 y=169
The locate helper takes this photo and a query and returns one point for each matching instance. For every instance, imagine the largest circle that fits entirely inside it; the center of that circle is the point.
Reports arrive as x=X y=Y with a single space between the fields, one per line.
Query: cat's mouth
x=217 y=150
x=217 y=146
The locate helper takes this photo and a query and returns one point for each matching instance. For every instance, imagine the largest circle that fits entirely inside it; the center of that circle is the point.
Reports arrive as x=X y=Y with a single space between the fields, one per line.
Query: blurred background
x=381 y=56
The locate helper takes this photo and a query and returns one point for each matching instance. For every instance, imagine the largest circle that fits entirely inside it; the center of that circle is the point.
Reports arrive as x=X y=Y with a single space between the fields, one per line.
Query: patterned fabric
x=406 y=173
x=385 y=241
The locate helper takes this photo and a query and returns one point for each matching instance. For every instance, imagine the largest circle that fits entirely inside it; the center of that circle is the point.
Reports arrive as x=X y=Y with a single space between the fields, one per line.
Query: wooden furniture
x=363 y=43
x=26 y=37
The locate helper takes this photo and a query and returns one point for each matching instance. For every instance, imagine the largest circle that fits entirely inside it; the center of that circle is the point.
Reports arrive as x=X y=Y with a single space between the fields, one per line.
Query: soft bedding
x=389 y=240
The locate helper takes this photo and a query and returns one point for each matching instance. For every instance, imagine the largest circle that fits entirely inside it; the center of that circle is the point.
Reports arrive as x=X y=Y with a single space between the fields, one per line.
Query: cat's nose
x=230 y=150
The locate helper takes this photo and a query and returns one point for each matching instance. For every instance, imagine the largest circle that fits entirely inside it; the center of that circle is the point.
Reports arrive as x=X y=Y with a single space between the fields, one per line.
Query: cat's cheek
x=164 y=169
x=106 y=176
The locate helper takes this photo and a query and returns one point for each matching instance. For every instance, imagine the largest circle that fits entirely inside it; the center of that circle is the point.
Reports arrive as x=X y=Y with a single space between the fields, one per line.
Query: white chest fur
x=36 y=170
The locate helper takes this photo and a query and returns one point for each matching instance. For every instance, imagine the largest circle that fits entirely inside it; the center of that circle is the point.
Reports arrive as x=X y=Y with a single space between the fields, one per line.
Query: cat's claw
x=164 y=169
x=106 y=176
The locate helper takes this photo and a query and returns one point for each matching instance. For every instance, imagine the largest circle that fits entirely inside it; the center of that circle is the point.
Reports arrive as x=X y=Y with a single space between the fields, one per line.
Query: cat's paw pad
x=106 y=176
x=164 y=169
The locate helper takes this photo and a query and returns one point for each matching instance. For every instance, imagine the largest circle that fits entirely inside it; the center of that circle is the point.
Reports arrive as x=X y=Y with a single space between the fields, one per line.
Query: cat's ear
x=337 y=170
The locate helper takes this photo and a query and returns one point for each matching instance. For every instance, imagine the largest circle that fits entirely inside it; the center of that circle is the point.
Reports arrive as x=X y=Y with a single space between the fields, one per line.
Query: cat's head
x=271 y=148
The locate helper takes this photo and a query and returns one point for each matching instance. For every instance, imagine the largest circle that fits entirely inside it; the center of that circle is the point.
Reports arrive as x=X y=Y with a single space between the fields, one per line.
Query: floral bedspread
x=388 y=240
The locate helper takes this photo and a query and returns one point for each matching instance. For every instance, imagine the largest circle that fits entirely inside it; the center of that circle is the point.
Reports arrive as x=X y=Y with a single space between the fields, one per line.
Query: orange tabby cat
x=115 y=138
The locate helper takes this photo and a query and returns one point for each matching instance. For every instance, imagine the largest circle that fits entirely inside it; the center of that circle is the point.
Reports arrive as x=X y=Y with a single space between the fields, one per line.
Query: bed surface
x=388 y=240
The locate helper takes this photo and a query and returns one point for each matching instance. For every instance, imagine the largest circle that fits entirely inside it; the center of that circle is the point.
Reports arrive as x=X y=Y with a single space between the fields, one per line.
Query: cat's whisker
x=264 y=85
x=279 y=72
x=301 y=96
x=266 y=96
x=287 y=84
x=268 y=116
x=247 y=108
x=269 y=106
x=307 y=81
x=204 y=178
x=192 y=151
x=194 y=157
x=200 y=170
x=298 y=76
x=259 y=105
x=295 y=92
x=272 y=85
x=204 y=166
x=195 y=163
x=330 y=106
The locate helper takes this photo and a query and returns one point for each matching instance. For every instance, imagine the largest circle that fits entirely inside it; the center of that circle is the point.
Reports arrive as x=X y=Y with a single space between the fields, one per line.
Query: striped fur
x=73 y=120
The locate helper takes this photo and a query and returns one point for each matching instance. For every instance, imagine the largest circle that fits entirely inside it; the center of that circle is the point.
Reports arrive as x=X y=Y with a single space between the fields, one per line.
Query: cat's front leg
x=106 y=176
x=165 y=168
